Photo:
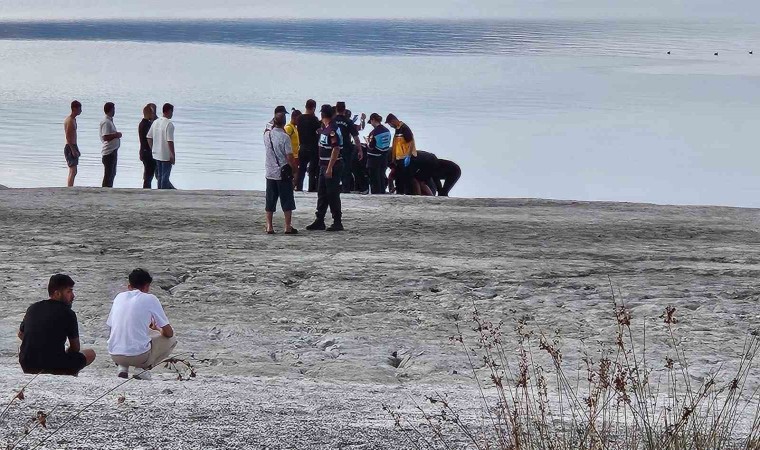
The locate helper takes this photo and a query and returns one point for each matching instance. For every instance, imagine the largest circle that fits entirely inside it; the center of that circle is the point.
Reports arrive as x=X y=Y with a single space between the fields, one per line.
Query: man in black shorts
x=71 y=150
x=46 y=327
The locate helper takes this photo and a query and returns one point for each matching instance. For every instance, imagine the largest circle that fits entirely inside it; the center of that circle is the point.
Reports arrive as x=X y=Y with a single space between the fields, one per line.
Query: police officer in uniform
x=378 y=146
x=331 y=166
x=348 y=130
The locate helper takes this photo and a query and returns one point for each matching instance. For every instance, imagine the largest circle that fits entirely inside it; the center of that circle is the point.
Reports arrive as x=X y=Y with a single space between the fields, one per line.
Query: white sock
x=124 y=369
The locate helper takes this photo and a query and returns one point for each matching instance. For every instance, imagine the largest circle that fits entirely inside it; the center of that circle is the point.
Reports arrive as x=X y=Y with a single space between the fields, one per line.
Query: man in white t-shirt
x=161 y=141
x=141 y=336
x=111 y=140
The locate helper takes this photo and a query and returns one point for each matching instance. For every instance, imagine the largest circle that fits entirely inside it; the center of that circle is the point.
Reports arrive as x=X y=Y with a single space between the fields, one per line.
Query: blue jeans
x=163 y=171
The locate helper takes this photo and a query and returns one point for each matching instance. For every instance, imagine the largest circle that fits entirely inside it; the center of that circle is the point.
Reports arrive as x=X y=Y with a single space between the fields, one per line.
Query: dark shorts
x=282 y=190
x=68 y=364
x=71 y=160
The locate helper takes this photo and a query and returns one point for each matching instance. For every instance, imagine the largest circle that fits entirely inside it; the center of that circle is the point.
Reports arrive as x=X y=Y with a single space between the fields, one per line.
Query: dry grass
x=620 y=400
x=184 y=366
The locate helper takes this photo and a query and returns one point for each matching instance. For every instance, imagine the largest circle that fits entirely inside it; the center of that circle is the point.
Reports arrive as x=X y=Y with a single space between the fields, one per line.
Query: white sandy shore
x=298 y=330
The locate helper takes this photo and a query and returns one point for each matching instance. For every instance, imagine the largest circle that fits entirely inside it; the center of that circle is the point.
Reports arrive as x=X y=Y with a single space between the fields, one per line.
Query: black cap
x=281 y=109
x=390 y=117
x=376 y=117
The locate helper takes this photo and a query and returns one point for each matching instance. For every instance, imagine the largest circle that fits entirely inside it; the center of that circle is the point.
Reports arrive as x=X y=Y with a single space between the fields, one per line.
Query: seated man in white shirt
x=141 y=336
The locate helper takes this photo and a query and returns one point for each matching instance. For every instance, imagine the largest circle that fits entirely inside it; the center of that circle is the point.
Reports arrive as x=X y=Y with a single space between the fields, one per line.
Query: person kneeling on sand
x=141 y=336
x=44 y=330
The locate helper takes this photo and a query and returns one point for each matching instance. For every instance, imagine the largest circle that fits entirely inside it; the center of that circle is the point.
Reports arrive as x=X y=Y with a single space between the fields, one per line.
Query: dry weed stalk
x=613 y=404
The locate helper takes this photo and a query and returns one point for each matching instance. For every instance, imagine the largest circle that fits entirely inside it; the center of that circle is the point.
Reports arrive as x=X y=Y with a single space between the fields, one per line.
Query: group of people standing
x=329 y=151
x=156 y=135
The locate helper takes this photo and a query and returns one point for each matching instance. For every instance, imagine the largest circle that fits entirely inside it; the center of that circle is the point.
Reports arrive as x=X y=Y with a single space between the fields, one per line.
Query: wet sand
x=298 y=331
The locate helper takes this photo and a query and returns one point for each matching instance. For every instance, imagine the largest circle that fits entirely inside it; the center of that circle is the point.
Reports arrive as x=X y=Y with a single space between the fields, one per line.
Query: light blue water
x=560 y=109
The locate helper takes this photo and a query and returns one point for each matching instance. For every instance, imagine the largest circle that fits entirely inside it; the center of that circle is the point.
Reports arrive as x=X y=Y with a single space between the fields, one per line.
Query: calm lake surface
x=593 y=110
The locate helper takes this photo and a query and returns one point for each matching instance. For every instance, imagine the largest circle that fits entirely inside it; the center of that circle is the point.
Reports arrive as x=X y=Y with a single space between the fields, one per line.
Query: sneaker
x=336 y=226
x=123 y=372
x=317 y=225
x=144 y=375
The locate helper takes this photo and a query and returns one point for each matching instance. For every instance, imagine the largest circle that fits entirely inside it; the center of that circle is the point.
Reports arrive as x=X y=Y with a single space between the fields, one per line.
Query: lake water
x=556 y=109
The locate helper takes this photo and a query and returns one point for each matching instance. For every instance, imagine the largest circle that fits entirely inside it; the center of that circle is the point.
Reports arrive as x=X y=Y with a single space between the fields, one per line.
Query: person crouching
x=141 y=336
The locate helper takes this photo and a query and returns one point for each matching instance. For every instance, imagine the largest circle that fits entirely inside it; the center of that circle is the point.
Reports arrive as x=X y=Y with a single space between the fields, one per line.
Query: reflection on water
x=557 y=109
x=404 y=37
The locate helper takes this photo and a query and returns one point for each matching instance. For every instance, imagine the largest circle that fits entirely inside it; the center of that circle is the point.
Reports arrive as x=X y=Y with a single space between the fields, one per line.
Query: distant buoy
x=716 y=53
x=668 y=53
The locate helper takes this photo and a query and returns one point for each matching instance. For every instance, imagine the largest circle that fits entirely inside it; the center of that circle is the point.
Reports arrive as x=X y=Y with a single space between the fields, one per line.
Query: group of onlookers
x=156 y=144
x=328 y=149
x=140 y=337
x=384 y=163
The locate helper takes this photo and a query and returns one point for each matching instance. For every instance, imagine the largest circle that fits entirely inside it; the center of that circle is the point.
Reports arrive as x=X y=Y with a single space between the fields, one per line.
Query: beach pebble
x=167 y=392
x=326 y=342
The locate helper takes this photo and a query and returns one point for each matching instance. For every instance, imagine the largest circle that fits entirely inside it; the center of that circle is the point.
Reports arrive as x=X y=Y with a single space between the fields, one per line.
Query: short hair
x=391 y=118
x=59 y=281
x=295 y=114
x=108 y=107
x=75 y=104
x=167 y=108
x=311 y=104
x=147 y=111
x=139 y=278
x=340 y=107
x=327 y=111
x=279 y=120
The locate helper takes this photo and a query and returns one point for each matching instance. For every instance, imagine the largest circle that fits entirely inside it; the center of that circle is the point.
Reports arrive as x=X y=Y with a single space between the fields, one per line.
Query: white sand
x=298 y=329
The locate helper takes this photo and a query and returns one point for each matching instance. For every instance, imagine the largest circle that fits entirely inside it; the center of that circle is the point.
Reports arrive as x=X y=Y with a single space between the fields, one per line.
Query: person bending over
x=46 y=327
x=141 y=336
x=449 y=172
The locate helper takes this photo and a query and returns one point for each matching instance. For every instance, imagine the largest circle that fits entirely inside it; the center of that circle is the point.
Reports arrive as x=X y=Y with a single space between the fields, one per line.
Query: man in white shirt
x=111 y=140
x=141 y=336
x=161 y=142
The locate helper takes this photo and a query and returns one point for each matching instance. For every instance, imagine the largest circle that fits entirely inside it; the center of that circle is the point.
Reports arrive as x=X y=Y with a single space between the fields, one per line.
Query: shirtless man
x=71 y=150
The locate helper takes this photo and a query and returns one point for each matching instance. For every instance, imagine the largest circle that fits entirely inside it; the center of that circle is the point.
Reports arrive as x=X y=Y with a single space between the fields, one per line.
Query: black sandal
x=292 y=231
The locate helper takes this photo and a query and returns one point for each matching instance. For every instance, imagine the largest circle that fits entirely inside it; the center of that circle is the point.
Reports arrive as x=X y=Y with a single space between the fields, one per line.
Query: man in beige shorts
x=141 y=336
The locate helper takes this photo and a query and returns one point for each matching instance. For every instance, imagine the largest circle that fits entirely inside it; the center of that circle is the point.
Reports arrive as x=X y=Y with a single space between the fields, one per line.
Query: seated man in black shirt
x=44 y=330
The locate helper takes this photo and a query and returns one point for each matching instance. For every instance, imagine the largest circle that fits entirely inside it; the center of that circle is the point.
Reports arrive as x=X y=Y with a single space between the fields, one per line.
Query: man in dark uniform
x=308 y=157
x=44 y=331
x=348 y=130
x=449 y=172
x=331 y=166
x=425 y=168
x=378 y=146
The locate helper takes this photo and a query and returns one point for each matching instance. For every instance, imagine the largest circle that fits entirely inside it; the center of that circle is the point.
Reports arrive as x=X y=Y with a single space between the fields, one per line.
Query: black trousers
x=347 y=182
x=360 y=175
x=308 y=164
x=404 y=176
x=376 y=169
x=328 y=193
x=450 y=173
x=109 y=168
x=149 y=168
